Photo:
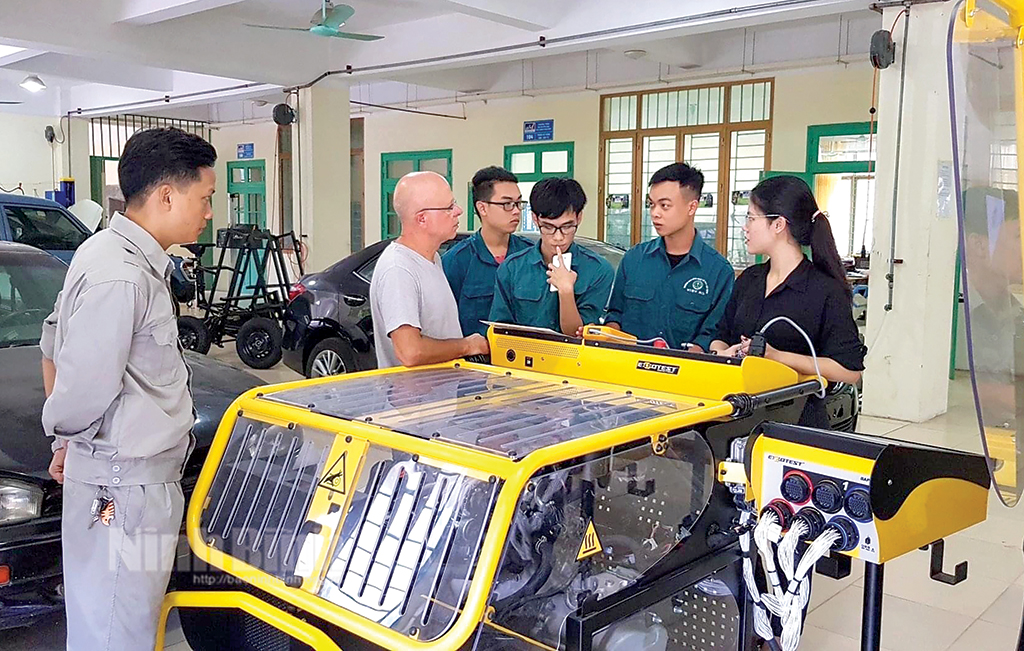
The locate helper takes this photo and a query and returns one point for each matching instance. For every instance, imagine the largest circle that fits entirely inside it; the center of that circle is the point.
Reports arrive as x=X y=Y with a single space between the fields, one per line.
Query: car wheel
x=332 y=356
x=193 y=334
x=259 y=343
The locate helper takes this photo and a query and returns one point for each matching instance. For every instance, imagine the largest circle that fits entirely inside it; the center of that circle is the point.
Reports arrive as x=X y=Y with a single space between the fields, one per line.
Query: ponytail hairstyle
x=789 y=197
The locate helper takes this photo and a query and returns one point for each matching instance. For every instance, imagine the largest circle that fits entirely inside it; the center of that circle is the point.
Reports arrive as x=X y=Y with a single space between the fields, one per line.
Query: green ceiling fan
x=328 y=22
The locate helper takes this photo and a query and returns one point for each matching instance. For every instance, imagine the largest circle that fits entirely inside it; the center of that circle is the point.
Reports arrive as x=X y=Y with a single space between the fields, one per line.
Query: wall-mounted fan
x=328 y=22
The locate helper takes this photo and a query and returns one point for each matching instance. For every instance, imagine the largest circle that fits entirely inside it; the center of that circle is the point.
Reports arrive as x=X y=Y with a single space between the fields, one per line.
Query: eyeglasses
x=751 y=217
x=450 y=209
x=509 y=206
x=565 y=229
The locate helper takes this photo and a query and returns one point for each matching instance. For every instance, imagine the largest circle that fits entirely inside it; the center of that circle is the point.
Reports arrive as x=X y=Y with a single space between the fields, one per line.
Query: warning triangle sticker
x=334 y=479
x=591 y=543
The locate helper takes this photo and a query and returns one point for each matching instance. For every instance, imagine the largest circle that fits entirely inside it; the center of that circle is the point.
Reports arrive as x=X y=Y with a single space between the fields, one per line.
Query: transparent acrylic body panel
x=261 y=493
x=510 y=416
x=594 y=528
x=985 y=76
x=409 y=544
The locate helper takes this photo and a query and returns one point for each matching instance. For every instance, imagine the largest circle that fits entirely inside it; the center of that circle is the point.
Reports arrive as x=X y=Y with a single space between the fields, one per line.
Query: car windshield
x=29 y=285
x=44 y=228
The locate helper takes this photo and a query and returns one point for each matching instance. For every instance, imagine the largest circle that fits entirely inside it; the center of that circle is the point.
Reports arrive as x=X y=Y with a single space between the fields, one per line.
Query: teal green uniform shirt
x=522 y=295
x=682 y=304
x=470 y=268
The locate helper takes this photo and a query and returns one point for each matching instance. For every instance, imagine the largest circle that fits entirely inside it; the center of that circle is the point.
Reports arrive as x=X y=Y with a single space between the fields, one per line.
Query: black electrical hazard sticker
x=667 y=369
x=591 y=543
x=334 y=478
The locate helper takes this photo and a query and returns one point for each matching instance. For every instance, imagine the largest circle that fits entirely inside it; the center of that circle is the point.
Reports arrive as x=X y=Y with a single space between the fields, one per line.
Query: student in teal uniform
x=531 y=289
x=471 y=264
x=675 y=286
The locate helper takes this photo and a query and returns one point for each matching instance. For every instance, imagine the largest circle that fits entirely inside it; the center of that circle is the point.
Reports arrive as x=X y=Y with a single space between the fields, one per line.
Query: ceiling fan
x=328 y=22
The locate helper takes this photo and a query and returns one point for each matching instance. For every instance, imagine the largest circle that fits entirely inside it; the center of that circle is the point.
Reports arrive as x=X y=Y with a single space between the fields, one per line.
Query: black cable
x=1020 y=636
x=17 y=189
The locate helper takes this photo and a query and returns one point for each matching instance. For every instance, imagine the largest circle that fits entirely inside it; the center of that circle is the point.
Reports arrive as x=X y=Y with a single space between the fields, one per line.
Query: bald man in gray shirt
x=415 y=317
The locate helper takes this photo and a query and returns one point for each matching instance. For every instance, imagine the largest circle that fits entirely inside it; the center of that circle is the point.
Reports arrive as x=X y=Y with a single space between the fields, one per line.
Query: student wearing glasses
x=471 y=264
x=534 y=287
x=782 y=218
x=415 y=318
x=675 y=286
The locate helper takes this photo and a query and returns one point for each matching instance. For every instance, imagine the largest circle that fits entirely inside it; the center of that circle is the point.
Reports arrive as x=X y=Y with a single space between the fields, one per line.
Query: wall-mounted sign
x=707 y=200
x=538 y=130
x=246 y=150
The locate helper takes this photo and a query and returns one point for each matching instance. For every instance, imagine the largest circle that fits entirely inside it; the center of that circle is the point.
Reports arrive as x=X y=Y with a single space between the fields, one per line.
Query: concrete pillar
x=909 y=345
x=324 y=174
x=74 y=154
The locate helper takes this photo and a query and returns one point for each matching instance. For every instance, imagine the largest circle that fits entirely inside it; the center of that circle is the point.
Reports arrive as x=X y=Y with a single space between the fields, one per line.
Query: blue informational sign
x=246 y=150
x=538 y=130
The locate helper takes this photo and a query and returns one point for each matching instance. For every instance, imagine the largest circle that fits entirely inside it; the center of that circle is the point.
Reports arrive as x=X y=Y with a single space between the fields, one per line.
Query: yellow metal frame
x=753 y=373
x=298 y=629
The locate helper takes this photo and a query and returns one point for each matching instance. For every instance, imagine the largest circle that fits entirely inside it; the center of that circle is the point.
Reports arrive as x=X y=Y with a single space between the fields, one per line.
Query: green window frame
x=814 y=135
x=388 y=183
x=538 y=150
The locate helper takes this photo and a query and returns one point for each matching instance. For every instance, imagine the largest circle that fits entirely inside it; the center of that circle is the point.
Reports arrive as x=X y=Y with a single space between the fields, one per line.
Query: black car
x=327 y=326
x=30 y=502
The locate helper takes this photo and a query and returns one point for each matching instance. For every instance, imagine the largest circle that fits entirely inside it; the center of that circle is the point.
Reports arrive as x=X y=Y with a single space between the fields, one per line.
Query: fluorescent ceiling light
x=33 y=84
x=8 y=50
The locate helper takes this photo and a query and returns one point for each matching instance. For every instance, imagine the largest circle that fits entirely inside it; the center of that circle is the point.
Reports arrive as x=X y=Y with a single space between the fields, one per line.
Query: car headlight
x=19 y=501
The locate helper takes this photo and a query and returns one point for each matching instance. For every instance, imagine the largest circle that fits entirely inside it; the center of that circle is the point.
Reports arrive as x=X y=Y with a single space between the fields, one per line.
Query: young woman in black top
x=783 y=217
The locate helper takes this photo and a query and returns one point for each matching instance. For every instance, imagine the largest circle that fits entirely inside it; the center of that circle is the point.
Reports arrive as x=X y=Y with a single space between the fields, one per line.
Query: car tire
x=193 y=334
x=259 y=343
x=332 y=356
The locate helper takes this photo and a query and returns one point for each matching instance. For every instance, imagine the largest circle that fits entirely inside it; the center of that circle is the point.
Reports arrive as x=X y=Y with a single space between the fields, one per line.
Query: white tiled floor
x=981 y=614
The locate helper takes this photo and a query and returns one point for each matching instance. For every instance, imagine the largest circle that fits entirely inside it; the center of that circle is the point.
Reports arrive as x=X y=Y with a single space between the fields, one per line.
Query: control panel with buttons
x=883 y=497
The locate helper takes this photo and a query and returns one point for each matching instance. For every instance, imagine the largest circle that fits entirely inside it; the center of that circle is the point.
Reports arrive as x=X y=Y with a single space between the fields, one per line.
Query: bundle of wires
x=785 y=602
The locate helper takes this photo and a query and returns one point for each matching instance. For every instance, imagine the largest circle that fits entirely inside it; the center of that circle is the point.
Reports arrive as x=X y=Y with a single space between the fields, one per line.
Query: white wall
x=27 y=158
x=825 y=96
x=480 y=141
x=226 y=140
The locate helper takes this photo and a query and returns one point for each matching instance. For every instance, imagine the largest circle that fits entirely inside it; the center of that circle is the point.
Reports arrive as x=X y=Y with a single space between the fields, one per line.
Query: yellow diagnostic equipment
x=564 y=493
x=884 y=497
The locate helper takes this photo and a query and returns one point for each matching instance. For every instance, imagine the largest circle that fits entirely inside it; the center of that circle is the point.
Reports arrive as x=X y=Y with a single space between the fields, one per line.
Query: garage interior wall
x=27 y=159
x=823 y=96
x=225 y=140
x=802 y=98
x=480 y=141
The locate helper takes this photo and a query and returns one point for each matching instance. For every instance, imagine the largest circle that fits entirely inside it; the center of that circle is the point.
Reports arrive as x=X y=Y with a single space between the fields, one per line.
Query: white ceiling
x=97 y=54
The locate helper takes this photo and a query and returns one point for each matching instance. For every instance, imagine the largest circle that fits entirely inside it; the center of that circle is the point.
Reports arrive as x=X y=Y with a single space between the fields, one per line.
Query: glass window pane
x=658 y=151
x=394 y=225
x=523 y=163
x=399 y=168
x=746 y=163
x=618 y=184
x=527 y=224
x=845 y=149
x=702 y=151
x=672 y=109
x=255 y=175
x=554 y=162
x=716 y=106
x=438 y=165
x=238 y=175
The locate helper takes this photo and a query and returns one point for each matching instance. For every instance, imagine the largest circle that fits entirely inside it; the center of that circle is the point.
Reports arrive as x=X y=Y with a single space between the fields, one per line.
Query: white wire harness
x=814 y=354
x=787 y=595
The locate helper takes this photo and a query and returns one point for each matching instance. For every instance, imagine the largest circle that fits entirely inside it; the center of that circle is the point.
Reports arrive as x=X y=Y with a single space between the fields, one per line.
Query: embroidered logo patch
x=697 y=286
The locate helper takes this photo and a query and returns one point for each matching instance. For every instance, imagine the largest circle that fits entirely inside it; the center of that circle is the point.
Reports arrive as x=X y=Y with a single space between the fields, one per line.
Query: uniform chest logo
x=697 y=286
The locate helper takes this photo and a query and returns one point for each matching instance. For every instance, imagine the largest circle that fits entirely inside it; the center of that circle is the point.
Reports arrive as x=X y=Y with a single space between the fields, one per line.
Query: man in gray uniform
x=415 y=317
x=120 y=408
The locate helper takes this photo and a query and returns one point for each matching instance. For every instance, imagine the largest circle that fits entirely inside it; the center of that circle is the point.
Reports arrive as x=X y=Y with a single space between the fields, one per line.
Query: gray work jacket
x=122 y=402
